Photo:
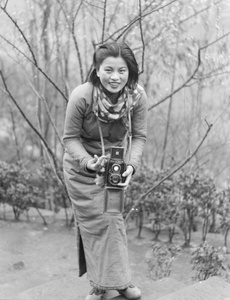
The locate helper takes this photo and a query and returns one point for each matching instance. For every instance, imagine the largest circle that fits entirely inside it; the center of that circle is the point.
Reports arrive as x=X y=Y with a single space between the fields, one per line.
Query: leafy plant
x=198 y=194
x=209 y=261
x=160 y=260
x=224 y=212
x=156 y=206
x=15 y=188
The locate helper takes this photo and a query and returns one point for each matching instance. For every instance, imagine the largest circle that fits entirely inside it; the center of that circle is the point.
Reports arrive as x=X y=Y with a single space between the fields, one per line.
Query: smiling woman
x=113 y=74
x=101 y=114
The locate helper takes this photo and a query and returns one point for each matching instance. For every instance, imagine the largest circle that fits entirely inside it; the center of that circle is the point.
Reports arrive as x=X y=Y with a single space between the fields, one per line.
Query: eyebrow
x=122 y=67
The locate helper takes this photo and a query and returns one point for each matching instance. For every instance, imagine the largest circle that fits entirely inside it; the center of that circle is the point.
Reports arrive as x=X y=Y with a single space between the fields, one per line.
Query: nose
x=115 y=76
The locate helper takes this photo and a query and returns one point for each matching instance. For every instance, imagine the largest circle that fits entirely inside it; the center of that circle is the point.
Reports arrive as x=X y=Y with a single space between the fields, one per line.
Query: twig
x=48 y=149
x=93 y=5
x=133 y=21
x=4 y=6
x=15 y=134
x=76 y=43
x=23 y=35
x=33 y=60
x=194 y=72
x=199 y=12
x=7 y=91
x=104 y=19
x=72 y=30
x=142 y=39
x=40 y=214
x=169 y=175
x=143 y=16
x=47 y=109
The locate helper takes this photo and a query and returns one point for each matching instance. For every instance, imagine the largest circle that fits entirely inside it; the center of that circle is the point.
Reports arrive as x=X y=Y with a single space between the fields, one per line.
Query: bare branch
x=142 y=197
x=194 y=72
x=182 y=86
x=48 y=149
x=134 y=21
x=14 y=126
x=33 y=60
x=142 y=39
x=199 y=12
x=76 y=43
x=104 y=21
x=90 y=4
x=4 y=6
x=144 y=15
x=211 y=74
x=72 y=30
x=7 y=91
x=47 y=110
x=23 y=35
x=16 y=48
x=111 y=18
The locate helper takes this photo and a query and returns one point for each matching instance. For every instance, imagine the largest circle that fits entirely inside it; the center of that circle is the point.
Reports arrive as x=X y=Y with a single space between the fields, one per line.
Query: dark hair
x=115 y=49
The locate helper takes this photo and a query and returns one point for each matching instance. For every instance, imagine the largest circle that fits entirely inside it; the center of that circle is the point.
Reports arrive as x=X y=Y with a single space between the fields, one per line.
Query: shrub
x=160 y=260
x=223 y=210
x=209 y=261
x=15 y=188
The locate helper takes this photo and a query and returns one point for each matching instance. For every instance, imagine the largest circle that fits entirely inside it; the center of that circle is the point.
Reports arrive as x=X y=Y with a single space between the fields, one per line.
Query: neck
x=112 y=96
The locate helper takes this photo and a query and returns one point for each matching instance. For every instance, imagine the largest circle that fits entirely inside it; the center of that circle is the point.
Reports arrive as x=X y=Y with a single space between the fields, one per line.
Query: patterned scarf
x=107 y=112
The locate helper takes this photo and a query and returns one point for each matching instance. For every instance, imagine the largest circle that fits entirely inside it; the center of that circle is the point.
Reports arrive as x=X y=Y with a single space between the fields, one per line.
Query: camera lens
x=116 y=168
x=115 y=178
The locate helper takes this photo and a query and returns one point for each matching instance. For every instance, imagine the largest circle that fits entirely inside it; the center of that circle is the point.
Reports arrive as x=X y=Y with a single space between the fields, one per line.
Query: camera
x=115 y=167
x=114 y=194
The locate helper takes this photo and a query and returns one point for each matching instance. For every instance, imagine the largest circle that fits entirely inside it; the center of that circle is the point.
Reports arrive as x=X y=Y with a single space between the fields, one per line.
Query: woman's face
x=113 y=73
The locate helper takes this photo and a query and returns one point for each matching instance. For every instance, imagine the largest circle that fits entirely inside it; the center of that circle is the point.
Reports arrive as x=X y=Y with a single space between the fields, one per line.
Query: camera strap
x=101 y=138
x=130 y=127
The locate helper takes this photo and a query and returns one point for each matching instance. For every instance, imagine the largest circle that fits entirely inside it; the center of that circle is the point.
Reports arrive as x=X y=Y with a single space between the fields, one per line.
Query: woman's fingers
x=128 y=174
x=99 y=162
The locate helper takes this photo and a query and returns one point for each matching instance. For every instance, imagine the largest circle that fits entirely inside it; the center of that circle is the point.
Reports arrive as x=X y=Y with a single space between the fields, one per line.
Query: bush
x=160 y=260
x=53 y=191
x=15 y=187
x=209 y=261
x=23 y=189
x=176 y=202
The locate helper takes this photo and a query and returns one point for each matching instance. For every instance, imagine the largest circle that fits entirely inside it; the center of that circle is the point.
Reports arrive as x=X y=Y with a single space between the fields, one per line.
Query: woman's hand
x=97 y=163
x=128 y=174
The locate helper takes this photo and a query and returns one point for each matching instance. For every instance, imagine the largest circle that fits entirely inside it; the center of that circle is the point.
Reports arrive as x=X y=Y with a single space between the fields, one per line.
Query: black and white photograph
x=115 y=149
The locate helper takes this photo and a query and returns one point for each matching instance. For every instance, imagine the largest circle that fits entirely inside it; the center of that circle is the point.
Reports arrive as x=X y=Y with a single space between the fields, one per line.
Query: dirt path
x=32 y=255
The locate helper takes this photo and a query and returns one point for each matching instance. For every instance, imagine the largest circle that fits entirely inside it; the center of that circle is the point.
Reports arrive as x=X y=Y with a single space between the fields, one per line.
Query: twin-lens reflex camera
x=114 y=194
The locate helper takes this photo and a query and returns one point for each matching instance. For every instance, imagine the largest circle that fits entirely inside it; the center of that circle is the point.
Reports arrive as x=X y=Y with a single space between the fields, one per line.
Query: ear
x=97 y=72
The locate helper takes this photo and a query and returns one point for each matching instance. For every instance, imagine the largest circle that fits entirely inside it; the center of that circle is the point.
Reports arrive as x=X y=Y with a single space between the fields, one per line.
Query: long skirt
x=101 y=237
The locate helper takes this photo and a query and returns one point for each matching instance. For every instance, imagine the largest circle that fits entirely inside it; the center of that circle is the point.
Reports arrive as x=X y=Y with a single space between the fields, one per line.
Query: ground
x=32 y=254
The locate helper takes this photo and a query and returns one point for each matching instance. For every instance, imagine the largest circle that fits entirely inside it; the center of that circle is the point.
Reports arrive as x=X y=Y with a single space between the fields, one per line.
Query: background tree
x=182 y=50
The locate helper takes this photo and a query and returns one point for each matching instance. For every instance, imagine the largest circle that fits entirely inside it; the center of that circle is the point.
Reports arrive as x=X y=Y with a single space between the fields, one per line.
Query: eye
x=108 y=70
x=122 y=70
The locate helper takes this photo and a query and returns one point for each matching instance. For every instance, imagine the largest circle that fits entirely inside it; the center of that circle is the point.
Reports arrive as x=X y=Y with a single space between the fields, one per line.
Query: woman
x=102 y=113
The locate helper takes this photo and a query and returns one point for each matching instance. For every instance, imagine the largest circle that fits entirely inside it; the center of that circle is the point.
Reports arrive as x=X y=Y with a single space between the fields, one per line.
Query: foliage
x=223 y=210
x=198 y=199
x=160 y=260
x=51 y=189
x=180 y=201
x=22 y=189
x=209 y=261
x=51 y=52
x=15 y=187
x=155 y=205
x=43 y=52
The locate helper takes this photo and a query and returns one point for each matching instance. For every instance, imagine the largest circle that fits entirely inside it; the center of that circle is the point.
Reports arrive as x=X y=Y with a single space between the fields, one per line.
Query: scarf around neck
x=106 y=111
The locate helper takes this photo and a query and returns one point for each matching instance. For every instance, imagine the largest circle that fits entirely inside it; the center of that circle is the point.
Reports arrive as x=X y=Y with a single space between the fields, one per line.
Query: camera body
x=115 y=167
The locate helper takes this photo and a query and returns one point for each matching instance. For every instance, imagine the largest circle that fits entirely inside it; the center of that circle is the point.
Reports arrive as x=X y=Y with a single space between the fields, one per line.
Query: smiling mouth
x=114 y=84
